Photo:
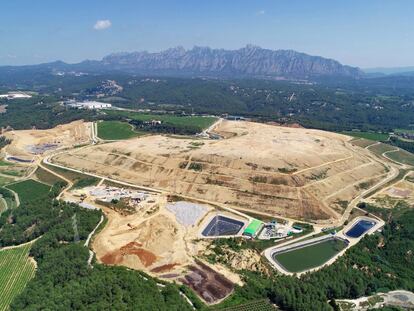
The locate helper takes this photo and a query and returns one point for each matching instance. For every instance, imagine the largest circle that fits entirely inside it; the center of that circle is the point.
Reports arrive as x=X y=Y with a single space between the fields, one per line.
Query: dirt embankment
x=290 y=172
x=28 y=142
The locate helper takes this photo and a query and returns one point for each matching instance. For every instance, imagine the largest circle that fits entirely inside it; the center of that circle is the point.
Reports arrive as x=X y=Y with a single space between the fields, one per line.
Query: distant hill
x=250 y=61
x=391 y=70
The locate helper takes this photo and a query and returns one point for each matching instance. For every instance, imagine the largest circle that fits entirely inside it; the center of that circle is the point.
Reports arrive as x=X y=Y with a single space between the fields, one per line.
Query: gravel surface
x=187 y=213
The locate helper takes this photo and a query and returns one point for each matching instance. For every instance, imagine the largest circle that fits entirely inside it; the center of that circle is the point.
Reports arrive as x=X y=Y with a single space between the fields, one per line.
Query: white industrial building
x=14 y=95
x=89 y=105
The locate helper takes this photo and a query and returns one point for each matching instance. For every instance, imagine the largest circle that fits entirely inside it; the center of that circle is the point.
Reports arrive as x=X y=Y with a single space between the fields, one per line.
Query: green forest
x=63 y=279
x=341 y=105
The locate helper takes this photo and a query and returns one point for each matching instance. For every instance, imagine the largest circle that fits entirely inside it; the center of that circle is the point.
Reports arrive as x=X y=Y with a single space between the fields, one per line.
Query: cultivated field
x=16 y=269
x=294 y=172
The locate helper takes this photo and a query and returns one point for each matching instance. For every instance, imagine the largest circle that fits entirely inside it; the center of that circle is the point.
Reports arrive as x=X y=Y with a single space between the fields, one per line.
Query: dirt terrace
x=66 y=135
x=292 y=172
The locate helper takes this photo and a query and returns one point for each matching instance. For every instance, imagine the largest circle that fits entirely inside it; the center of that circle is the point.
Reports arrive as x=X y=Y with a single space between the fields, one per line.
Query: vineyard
x=15 y=271
x=258 y=305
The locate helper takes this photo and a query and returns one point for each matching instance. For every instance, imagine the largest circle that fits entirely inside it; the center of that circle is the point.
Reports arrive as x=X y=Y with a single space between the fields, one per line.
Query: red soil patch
x=133 y=248
x=164 y=268
x=112 y=258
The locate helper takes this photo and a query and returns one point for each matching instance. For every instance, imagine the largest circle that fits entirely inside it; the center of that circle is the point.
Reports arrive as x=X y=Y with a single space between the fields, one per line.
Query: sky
x=364 y=33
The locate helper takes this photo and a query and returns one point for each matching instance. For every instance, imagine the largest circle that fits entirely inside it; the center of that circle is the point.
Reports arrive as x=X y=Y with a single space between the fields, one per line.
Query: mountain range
x=250 y=61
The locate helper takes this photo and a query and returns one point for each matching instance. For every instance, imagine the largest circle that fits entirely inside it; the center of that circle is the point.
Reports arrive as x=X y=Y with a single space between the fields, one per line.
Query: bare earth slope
x=65 y=135
x=293 y=172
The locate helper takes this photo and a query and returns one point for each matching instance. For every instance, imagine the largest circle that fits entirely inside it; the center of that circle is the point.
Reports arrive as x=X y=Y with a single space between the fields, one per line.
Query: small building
x=253 y=228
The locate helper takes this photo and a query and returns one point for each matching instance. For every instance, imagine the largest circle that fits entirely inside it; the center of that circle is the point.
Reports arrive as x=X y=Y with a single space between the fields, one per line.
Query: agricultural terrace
x=182 y=124
x=79 y=180
x=368 y=135
x=402 y=156
x=30 y=189
x=15 y=272
x=46 y=177
x=116 y=130
x=379 y=149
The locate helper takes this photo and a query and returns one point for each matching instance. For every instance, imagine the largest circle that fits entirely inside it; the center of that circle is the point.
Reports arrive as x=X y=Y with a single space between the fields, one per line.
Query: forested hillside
x=381 y=262
x=64 y=280
x=333 y=105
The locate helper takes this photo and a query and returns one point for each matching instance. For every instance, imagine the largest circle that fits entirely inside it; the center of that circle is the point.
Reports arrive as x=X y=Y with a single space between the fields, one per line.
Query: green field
x=368 y=135
x=402 y=156
x=15 y=272
x=198 y=122
x=115 y=130
x=309 y=257
x=30 y=189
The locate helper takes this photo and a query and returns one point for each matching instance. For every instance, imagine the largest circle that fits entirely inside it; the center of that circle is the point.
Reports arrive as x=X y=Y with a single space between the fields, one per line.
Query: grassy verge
x=368 y=135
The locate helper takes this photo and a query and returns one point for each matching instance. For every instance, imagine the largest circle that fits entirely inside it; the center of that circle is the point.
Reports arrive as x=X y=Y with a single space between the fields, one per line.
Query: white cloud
x=102 y=24
x=261 y=12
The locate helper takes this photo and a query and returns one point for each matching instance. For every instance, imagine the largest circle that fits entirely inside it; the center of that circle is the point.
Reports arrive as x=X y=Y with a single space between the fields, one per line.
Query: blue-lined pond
x=359 y=228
